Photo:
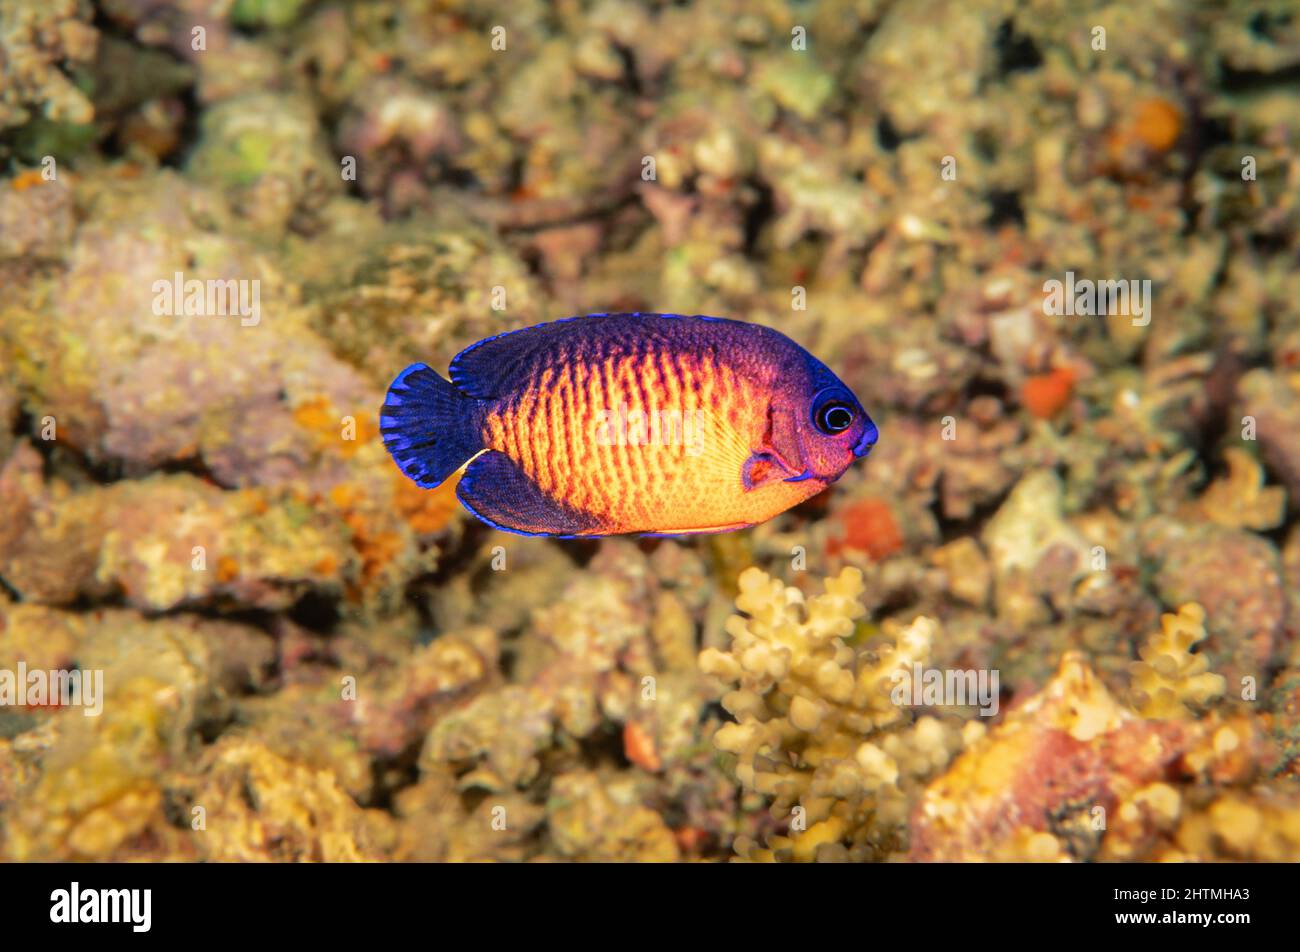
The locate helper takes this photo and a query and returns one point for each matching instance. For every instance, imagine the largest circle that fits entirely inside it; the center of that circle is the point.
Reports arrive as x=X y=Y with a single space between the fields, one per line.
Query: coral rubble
x=225 y=227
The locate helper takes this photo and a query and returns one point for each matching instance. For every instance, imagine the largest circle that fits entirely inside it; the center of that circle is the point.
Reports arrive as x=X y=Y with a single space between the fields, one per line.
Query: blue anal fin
x=500 y=493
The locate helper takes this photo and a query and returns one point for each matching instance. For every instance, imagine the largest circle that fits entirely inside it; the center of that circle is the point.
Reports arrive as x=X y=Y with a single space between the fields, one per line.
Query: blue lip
x=806 y=474
x=865 y=442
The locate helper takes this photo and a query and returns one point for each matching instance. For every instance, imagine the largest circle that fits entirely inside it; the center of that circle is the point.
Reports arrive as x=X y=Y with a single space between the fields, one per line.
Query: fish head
x=826 y=427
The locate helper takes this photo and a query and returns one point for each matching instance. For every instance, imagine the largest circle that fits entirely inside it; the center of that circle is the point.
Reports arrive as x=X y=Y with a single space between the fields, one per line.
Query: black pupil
x=836 y=417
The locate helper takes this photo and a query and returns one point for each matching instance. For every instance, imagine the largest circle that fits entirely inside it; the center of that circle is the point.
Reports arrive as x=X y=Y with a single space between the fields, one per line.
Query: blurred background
x=305 y=657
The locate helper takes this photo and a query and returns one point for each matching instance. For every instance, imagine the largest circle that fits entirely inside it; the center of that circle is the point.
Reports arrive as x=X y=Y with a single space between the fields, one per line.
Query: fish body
x=628 y=423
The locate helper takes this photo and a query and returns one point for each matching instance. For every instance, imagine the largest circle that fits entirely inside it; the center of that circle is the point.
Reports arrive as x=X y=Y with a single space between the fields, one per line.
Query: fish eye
x=834 y=416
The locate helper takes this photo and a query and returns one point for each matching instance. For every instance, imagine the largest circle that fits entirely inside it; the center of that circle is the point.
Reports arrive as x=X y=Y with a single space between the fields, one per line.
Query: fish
x=614 y=424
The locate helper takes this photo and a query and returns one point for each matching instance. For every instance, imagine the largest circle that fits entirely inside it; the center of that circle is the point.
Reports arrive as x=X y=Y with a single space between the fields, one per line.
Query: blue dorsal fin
x=496 y=366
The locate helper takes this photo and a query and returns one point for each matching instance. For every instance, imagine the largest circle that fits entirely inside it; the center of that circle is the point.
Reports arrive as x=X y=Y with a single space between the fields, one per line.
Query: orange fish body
x=628 y=423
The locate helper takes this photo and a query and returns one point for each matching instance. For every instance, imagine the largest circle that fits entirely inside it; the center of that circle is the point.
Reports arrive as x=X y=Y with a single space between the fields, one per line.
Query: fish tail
x=429 y=427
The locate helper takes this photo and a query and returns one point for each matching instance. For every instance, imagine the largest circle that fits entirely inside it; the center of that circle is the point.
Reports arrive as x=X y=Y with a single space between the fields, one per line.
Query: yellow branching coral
x=1240 y=498
x=1170 y=681
x=816 y=728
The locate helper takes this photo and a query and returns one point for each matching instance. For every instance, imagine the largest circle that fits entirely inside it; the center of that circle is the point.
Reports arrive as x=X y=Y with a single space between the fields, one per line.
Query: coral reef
x=39 y=43
x=328 y=663
x=817 y=726
x=1067 y=752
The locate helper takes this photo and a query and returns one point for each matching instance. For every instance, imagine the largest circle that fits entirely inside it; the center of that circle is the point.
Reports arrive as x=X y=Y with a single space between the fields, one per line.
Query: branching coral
x=1169 y=680
x=1240 y=499
x=816 y=728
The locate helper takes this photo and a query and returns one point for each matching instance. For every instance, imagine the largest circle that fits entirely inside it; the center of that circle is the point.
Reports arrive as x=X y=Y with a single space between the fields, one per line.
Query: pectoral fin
x=775 y=460
x=763 y=467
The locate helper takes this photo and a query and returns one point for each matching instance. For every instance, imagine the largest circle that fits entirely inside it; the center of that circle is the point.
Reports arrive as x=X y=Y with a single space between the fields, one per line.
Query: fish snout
x=867 y=440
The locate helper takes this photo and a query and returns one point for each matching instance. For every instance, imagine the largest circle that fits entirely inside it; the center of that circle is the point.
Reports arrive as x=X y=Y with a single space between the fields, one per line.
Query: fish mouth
x=866 y=441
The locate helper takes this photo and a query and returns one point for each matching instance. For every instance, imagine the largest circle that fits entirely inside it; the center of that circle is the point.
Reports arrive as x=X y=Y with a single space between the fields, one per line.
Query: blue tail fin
x=429 y=426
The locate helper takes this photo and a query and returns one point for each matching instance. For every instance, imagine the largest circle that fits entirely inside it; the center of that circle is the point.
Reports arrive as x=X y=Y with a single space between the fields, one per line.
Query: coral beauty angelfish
x=628 y=423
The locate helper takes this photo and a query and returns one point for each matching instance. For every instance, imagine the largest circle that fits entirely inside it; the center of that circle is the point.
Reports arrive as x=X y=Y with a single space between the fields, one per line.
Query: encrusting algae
x=1056 y=765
